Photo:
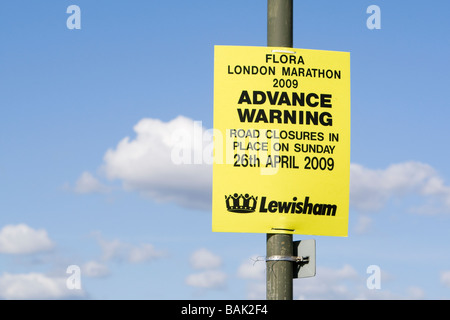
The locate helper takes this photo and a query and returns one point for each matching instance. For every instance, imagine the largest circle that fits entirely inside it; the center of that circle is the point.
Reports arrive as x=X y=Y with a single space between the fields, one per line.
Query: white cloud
x=372 y=189
x=256 y=290
x=253 y=268
x=95 y=269
x=363 y=223
x=171 y=162
x=21 y=239
x=415 y=293
x=205 y=259
x=329 y=283
x=116 y=250
x=143 y=252
x=35 y=286
x=87 y=183
x=209 y=279
x=445 y=278
x=154 y=163
x=347 y=283
x=341 y=283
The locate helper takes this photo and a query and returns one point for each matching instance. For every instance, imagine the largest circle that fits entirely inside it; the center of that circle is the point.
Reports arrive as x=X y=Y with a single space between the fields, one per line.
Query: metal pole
x=279 y=23
x=279 y=273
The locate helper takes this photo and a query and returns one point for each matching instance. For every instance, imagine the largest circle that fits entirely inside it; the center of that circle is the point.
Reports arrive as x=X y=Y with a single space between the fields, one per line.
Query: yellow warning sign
x=281 y=140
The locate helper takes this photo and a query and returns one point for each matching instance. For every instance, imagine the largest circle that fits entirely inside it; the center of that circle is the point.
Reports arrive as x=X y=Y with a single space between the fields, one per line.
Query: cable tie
x=284 y=51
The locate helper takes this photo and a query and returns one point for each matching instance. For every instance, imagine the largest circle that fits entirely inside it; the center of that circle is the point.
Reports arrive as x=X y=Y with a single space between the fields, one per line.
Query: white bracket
x=305 y=249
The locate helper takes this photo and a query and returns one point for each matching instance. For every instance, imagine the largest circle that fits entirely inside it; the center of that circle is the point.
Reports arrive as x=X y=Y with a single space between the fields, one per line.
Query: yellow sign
x=281 y=140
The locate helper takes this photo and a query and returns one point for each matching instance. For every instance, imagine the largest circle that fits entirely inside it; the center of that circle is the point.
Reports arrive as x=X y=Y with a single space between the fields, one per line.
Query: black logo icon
x=241 y=203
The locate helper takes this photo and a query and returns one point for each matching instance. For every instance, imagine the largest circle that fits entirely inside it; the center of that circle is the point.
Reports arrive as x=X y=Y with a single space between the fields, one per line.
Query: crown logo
x=241 y=203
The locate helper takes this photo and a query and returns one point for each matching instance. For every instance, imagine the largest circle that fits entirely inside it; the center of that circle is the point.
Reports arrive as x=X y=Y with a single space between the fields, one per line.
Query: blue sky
x=84 y=170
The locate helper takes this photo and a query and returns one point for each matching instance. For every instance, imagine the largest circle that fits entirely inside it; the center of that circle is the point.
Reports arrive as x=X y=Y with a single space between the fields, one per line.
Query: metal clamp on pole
x=288 y=258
